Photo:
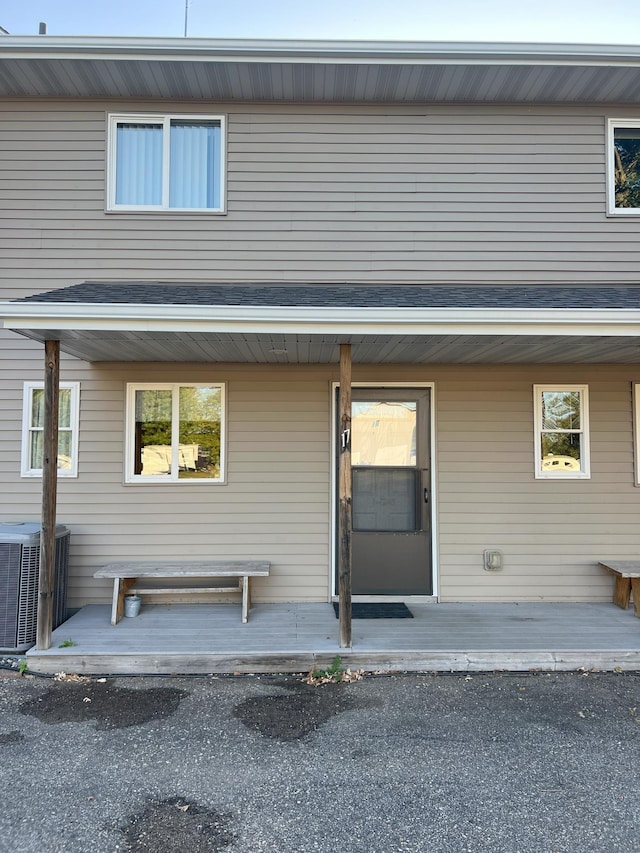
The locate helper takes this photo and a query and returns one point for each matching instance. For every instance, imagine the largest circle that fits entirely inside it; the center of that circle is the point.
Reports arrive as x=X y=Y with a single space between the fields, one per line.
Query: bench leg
x=622 y=592
x=115 y=603
x=120 y=588
x=246 y=598
x=635 y=589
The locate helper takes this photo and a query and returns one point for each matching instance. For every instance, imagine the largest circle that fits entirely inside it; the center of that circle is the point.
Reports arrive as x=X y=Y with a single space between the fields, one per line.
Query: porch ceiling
x=302 y=323
x=143 y=346
x=321 y=71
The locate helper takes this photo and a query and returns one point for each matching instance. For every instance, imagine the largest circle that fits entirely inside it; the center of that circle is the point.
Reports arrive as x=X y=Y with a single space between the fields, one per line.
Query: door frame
x=333 y=526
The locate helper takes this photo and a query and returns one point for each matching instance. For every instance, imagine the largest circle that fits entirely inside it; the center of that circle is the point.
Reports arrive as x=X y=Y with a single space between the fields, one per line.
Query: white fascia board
x=318 y=320
x=314 y=51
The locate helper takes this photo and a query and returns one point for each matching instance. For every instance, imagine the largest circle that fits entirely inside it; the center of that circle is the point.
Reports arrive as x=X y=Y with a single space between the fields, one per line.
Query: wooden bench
x=627 y=573
x=142 y=578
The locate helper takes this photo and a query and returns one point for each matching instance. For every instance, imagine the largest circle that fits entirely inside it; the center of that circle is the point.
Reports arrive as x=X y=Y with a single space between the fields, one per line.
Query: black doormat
x=374 y=610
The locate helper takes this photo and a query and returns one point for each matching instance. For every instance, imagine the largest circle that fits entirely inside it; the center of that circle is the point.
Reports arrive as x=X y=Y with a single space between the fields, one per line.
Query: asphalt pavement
x=438 y=763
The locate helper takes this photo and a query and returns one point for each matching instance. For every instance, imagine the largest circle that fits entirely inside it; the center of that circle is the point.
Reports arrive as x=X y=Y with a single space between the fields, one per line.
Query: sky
x=554 y=21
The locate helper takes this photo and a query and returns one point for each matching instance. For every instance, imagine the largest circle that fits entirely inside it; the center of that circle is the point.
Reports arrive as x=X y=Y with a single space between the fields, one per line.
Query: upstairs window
x=561 y=431
x=161 y=163
x=623 y=154
x=33 y=429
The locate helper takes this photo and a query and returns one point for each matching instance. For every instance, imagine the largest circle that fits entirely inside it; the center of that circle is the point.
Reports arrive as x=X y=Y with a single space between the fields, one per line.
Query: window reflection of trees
x=627 y=167
x=199 y=432
x=561 y=412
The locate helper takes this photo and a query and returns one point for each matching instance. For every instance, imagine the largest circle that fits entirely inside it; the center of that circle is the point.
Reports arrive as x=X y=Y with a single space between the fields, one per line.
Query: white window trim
x=171 y=480
x=585 y=460
x=164 y=119
x=612 y=210
x=636 y=432
x=27 y=428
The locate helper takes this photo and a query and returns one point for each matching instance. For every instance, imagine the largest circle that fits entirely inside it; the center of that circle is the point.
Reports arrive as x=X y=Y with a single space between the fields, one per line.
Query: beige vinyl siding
x=20 y=498
x=332 y=193
x=552 y=532
x=276 y=504
x=362 y=193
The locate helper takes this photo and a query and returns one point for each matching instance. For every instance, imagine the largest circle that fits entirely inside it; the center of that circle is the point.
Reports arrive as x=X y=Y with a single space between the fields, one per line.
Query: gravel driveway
x=388 y=764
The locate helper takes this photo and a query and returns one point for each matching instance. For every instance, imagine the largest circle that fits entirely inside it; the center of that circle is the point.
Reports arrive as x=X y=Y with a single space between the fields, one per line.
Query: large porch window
x=561 y=431
x=175 y=433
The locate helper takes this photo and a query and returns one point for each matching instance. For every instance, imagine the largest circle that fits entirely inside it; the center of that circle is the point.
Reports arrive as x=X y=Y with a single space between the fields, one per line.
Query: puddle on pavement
x=10 y=737
x=108 y=706
x=294 y=715
x=175 y=826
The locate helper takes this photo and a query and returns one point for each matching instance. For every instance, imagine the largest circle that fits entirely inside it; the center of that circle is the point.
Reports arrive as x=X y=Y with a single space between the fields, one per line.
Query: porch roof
x=292 y=322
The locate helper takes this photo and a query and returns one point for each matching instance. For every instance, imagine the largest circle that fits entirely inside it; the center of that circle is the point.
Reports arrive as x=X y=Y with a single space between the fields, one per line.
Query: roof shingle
x=344 y=295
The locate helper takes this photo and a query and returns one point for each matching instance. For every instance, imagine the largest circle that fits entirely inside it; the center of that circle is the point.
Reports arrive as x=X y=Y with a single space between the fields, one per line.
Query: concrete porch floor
x=210 y=638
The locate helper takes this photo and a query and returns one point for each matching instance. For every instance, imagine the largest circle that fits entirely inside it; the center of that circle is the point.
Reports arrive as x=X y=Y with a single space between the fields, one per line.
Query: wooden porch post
x=46 y=578
x=344 y=516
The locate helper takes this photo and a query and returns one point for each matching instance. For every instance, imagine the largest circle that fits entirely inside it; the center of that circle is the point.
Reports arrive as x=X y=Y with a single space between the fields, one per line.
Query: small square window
x=172 y=163
x=175 y=433
x=561 y=432
x=623 y=166
x=33 y=429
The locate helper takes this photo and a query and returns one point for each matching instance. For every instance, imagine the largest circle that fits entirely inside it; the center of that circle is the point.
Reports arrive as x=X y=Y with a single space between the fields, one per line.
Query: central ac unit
x=19 y=568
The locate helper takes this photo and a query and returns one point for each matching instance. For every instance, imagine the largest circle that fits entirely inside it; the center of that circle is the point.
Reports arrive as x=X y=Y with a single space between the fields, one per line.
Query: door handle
x=426 y=496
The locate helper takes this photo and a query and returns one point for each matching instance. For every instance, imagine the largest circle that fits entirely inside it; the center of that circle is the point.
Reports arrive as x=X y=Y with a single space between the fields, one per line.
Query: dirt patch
x=10 y=737
x=108 y=706
x=303 y=710
x=177 y=826
x=10 y=673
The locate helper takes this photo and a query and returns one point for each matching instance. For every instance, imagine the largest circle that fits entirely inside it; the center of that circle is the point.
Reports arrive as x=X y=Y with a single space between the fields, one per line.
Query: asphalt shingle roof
x=343 y=295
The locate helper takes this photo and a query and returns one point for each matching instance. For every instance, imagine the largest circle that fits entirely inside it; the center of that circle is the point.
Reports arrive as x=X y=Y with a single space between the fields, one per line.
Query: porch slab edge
x=379 y=662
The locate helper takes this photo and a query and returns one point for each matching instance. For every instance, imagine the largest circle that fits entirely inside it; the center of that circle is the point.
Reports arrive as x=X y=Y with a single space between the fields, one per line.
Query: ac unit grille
x=9 y=593
x=19 y=570
x=28 y=609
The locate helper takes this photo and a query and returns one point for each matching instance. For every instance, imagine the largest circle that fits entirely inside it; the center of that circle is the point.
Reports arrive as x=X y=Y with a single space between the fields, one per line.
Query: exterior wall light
x=493 y=561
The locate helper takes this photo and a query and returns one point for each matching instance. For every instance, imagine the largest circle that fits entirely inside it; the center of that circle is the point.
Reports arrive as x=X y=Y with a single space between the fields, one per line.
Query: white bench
x=142 y=578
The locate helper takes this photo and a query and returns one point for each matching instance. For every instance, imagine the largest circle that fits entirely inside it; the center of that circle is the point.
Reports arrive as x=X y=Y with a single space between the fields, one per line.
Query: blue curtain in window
x=194 y=165
x=139 y=164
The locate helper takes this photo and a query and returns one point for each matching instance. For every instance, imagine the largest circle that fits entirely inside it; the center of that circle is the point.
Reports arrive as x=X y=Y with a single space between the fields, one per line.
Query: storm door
x=390 y=457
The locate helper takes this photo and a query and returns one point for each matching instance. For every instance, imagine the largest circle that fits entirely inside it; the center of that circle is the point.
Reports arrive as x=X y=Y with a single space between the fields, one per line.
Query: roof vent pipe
x=42 y=28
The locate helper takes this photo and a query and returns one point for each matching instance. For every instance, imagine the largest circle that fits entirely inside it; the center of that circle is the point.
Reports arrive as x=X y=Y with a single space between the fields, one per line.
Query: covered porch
x=391 y=335
x=201 y=638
